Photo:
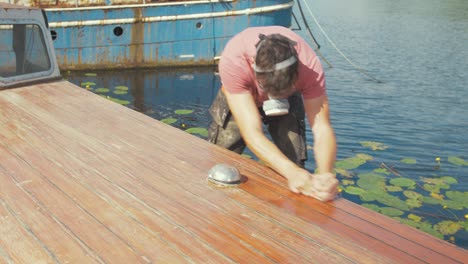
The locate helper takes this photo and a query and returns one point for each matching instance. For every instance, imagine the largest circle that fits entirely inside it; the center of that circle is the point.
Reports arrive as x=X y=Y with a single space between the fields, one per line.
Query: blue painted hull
x=153 y=35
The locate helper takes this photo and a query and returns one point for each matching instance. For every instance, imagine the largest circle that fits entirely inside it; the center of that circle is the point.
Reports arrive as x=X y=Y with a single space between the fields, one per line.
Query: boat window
x=22 y=50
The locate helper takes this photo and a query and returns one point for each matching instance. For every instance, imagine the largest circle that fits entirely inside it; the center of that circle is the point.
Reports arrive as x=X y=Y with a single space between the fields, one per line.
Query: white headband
x=278 y=66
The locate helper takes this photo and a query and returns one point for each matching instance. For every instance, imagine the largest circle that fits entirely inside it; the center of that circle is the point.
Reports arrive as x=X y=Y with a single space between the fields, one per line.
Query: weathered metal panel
x=58 y=3
x=19 y=2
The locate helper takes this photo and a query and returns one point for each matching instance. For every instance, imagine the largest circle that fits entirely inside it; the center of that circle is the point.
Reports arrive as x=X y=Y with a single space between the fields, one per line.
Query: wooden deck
x=84 y=180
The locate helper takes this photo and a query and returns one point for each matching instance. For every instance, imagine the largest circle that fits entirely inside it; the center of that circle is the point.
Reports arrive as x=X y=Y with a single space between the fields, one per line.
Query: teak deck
x=84 y=180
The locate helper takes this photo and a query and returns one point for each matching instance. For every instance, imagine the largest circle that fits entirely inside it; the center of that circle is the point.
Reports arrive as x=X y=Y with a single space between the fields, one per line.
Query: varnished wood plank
x=227 y=246
x=4 y=258
x=420 y=237
x=426 y=252
x=104 y=239
x=222 y=201
x=93 y=205
x=63 y=245
x=398 y=252
x=310 y=240
x=347 y=208
x=19 y=242
x=292 y=220
x=163 y=187
x=279 y=252
x=374 y=230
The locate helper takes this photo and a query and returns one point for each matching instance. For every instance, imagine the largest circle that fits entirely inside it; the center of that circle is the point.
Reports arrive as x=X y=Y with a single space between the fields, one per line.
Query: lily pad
x=349 y=163
x=347 y=182
x=449 y=179
x=121 y=88
x=459 y=197
x=390 y=211
x=403 y=182
x=455 y=205
x=101 y=90
x=120 y=92
x=122 y=102
x=414 y=203
x=354 y=190
x=442 y=181
x=198 y=130
x=371 y=181
x=364 y=156
x=392 y=201
x=414 y=217
x=408 y=161
x=430 y=200
x=409 y=222
x=391 y=188
x=373 y=207
x=412 y=195
x=437 y=196
x=90 y=74
x=343 y=172
x=427 y=227
x=369 y=196
x=447 y=227
x=183 y=111
x=465 y=225
x=169 y=120
x=431 y=188
x=374 y=145
x=382 y=171
x=85 y=84
x=457 y=161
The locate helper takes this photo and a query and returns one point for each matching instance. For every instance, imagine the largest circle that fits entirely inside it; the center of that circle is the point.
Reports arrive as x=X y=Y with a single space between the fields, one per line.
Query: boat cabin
x=26 y=52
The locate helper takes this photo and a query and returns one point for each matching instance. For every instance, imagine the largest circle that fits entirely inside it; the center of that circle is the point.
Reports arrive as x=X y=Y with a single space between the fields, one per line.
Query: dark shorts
x=286 y=131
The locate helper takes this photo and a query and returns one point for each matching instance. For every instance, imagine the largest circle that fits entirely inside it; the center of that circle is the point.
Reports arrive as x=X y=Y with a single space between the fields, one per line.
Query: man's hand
x=299 y=181
x=323 y=187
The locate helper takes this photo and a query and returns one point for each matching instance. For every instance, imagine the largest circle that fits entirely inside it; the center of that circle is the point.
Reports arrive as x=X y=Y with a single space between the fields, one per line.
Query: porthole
x=53 y=34
x=118 y=31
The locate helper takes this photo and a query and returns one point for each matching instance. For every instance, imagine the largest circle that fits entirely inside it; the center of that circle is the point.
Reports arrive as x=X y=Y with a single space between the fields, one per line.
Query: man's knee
x=223 y=130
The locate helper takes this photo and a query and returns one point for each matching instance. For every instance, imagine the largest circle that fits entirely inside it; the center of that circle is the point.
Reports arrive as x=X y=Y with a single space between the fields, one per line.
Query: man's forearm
x=268 y=152
x=325 y=150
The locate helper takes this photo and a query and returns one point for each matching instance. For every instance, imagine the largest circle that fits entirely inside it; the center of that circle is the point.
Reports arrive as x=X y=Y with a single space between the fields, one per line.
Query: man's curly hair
x=271 y=50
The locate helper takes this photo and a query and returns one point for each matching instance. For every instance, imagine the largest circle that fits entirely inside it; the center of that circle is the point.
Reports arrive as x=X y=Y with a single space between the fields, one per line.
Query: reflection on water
x=157 y=93
x=403 y=143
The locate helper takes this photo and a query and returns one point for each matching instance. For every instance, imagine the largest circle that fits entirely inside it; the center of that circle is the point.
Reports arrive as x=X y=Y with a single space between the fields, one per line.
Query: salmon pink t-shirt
x=238 y=76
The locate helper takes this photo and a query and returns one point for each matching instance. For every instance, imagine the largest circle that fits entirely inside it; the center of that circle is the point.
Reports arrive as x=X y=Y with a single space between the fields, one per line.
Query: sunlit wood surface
x=85 y=180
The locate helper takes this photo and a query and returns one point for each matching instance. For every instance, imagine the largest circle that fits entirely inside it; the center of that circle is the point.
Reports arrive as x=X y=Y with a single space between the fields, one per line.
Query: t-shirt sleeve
x=234 y=68
x=311 y=80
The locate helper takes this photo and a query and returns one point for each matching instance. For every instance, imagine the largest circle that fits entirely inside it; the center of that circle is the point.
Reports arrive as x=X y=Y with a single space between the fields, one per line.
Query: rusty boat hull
x=106 y=34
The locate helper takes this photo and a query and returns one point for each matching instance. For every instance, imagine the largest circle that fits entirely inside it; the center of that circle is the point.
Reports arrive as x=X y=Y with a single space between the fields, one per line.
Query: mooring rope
x=312 y=35
x=331 y=42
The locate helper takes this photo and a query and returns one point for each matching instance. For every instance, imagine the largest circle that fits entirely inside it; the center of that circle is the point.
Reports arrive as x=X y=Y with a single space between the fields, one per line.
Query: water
x=418 y=51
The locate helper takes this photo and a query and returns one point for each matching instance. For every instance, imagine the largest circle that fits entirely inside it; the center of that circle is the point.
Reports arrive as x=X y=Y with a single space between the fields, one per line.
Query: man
x=271 y=75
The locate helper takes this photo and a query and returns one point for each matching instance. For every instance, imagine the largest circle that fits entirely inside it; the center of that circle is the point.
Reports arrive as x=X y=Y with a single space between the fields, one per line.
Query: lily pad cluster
x=106 y=92
x=119 y=90
x=200 y=131
x=427 y=203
